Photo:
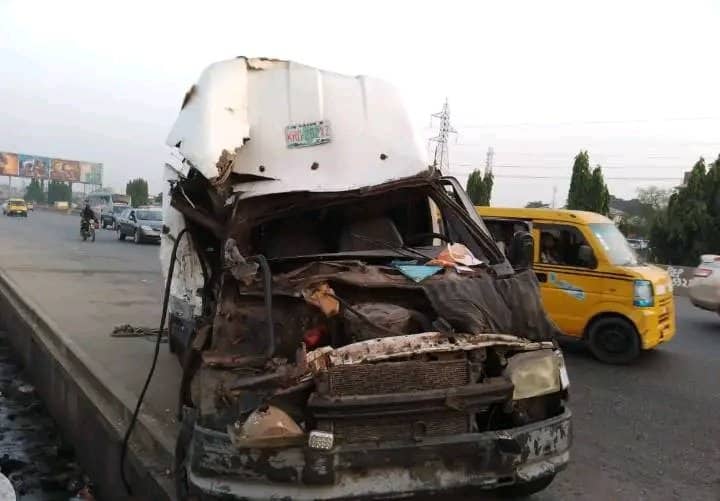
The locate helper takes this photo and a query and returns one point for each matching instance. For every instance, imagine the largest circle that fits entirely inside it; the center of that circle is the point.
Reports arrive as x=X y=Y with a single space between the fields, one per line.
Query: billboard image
x=33 y=166
x=65 y=170
x=91 y=173
x=8 y=164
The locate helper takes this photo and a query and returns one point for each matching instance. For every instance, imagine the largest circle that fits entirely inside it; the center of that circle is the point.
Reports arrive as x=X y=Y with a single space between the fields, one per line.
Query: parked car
x=704 y=287
x=141 y=224
x=108 y=219
x=15 y=207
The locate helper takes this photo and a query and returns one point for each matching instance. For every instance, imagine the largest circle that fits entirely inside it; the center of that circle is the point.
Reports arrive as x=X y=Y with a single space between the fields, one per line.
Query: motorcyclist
x=87 y=216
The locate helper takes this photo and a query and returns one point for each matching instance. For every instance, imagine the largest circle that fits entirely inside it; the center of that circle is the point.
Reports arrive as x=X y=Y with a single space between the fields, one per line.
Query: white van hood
x=245 y=106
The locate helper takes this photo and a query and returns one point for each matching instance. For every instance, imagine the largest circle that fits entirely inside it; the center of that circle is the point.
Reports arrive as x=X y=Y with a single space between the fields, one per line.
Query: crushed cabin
x=346 y=325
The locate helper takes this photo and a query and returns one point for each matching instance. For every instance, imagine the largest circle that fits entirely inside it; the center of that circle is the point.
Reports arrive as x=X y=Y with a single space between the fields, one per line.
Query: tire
x=613 y=340
x=525 y=489
x=84 y=236
x=121 y=235
x=137 y=238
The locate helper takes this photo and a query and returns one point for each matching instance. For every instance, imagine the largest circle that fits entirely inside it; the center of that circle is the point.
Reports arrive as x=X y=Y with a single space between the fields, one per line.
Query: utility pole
x=441 y=160
x=489 y=159
x=554 y=196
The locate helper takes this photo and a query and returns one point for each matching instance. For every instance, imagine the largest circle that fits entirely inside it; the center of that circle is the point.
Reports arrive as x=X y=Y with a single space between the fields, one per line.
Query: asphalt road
x=647 y=431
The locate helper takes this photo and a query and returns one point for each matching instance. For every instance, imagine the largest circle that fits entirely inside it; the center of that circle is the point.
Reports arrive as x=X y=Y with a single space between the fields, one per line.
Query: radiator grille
x=397 y=377
x=403 y=428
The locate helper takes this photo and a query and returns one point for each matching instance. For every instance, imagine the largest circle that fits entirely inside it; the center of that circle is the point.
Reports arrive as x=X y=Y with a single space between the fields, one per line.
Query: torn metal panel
x=398 y=347
x=214 y=116
x=243 y=107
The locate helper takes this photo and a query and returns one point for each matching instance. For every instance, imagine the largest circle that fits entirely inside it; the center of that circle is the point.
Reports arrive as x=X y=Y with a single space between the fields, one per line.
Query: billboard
x=8 y=164
x=33 y=166
x=65 y=170
x=57 y=169
x=90 y=173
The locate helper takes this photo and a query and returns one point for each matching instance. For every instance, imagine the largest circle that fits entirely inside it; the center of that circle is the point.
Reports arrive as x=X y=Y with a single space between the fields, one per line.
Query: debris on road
x=128 y=330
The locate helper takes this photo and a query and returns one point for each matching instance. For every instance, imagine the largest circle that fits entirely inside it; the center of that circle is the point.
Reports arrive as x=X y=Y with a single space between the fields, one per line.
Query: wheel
x=525 y=489
x=121 y=235
x=84 y=236
x=137 y=239
x=613 y=340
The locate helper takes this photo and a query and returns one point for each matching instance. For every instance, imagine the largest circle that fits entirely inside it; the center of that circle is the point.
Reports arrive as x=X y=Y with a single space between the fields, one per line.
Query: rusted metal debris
x=127 y=330
x=412 y=345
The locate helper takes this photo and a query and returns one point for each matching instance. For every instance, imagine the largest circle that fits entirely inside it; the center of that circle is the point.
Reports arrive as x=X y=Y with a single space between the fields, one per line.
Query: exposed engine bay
x=347 y=319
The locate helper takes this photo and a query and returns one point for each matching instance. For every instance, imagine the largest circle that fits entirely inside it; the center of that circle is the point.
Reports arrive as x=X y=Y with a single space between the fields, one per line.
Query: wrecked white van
x=347 y=328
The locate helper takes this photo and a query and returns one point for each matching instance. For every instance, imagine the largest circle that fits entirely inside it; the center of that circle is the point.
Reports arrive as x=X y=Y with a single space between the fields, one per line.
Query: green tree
x=34 y=192
x=599 y=194
x=58 y=191
x=653 y=197
x=138 y=191
x=537 y=204
x=479 y=187
x=588 y=190
x=690 y=225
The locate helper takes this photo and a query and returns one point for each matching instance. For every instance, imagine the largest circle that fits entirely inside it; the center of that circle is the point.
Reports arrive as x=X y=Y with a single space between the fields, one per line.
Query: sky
x=634 y=83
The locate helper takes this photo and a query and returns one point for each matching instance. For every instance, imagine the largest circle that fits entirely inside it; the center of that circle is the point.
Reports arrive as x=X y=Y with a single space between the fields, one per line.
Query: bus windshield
x=617 y=248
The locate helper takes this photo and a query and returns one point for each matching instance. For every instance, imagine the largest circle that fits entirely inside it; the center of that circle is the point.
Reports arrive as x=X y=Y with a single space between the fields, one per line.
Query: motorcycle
x=87 y=229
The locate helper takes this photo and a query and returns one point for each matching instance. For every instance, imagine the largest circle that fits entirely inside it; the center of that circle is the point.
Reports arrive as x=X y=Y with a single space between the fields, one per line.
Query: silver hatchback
x=704 y=287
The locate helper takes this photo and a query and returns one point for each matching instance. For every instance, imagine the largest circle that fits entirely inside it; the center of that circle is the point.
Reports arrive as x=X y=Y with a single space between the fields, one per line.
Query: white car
x=704 y=287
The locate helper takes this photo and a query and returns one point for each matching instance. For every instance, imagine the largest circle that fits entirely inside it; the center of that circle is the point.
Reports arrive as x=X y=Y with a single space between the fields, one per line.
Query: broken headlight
x=537 y=373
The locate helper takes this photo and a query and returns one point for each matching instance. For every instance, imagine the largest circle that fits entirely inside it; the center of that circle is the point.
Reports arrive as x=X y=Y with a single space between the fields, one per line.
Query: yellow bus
x=593 y=285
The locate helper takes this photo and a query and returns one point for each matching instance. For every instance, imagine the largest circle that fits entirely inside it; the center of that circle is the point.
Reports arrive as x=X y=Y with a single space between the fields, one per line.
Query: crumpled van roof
x=281 y=126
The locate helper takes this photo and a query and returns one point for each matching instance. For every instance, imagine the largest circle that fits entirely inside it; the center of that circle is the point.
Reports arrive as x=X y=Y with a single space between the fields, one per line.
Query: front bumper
x=656 y=325
x=150 y=236
x=705 y=296
x=463 y=463
x=17 y=213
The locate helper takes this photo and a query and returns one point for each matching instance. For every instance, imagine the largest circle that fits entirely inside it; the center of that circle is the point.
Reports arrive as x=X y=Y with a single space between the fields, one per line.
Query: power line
x=569 y=167
x=611 y=178
x=588 y=122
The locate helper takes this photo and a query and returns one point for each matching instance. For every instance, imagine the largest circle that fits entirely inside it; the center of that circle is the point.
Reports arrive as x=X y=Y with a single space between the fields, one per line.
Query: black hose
x=267 y=289
x=133 y=421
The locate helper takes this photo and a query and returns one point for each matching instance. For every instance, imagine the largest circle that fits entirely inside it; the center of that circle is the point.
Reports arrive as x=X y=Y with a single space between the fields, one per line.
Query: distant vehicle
x=15 y=207
x=637 y=243
x=704 y=287
x=109 y=218
x=30 y=205
x=141 y=224
x=102 y=202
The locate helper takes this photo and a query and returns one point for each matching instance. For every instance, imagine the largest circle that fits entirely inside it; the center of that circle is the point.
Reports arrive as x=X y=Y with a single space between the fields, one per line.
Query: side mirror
x=522 y=250
x=586 y=256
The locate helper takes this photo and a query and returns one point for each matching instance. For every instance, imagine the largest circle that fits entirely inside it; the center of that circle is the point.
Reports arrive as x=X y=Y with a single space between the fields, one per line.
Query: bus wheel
x=613 y=340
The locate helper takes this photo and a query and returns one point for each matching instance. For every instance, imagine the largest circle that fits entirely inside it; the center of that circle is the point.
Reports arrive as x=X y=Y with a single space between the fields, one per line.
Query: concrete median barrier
x=91 y=411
